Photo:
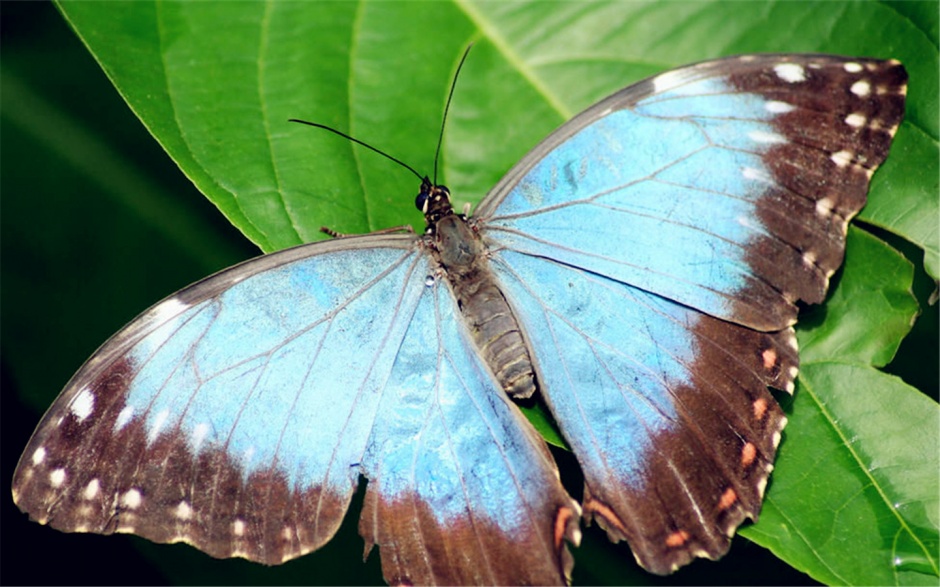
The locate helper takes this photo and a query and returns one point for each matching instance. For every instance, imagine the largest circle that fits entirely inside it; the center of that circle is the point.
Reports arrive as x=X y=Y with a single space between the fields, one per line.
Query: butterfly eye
x=421 y=200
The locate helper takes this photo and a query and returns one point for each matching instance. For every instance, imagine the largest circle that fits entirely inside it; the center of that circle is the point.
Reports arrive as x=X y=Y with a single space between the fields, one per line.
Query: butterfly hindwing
x=670 y=419
x=462 y=489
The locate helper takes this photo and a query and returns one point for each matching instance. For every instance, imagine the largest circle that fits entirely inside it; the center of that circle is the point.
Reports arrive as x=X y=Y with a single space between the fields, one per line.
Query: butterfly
x=638 y=271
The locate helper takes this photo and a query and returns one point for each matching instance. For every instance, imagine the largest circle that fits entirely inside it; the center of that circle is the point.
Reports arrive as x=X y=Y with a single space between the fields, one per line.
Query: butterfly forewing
x=654 y=249
x=726 y=186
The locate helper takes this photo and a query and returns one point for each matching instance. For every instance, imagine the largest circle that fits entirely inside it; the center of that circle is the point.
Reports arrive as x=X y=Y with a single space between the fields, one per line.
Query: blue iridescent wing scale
x=238 y=414
x=654 y=249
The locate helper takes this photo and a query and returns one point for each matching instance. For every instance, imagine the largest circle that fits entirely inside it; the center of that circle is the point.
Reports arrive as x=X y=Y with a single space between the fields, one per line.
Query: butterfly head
x=433 y=201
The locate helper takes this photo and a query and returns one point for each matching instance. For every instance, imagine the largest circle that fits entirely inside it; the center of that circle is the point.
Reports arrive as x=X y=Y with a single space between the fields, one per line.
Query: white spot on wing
x=756 y=175
x=668 y=80
x=91 y=490
x=184 y=511
x=238 y=527
x=83 y=404
x=39 y=455
x=778 y=107
x=842 y=158
x=861 y=88
x=790 y=72
x=855 y=120
x=199 y=434
x=123 y=417
x=166 y=311
x=132 y=499
x=158 y=423
x=759 y=136
x=852 y=67
x=761 y=485
x=824 y=207
x=747 y=222
x=809 y=258
x=57 y=477
x=792 y=342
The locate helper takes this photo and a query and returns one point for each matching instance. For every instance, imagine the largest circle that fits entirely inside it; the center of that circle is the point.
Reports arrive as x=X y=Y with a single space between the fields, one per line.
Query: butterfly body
x=639 y=270
x=462 y=257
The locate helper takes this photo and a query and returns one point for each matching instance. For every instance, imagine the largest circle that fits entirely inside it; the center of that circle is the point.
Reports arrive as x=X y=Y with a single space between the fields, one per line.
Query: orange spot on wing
x=561 y=524
x=596 y=507
x=770 y=358
x=760 y=408
x=677 y=539
x=748 y=454
x=728 y=499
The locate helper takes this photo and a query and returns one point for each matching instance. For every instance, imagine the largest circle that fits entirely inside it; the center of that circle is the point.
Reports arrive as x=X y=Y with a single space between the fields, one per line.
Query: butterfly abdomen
x=487 y=314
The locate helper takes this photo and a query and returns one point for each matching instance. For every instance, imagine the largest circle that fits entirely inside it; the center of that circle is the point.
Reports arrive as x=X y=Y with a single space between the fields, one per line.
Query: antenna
x=358 y=142
x=453 y=86
x=440 y=138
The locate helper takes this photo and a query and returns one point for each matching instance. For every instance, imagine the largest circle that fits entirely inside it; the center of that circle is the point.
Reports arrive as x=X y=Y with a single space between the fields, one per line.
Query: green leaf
x=215 y=84
x=854 y=498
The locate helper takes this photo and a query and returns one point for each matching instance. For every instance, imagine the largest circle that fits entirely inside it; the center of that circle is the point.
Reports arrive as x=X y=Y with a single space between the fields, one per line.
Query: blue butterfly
x=638 y=271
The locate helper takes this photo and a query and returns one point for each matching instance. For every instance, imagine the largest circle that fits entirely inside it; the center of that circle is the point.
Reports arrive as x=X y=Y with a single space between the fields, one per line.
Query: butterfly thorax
x=461 y=255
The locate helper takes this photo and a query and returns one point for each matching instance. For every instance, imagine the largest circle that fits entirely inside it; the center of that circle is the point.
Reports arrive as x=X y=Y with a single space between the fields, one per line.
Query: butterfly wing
x=726 y=186
x=666 y=408
x=654 y=249
x=238 y=414
x=232 y=415
x=473 y=496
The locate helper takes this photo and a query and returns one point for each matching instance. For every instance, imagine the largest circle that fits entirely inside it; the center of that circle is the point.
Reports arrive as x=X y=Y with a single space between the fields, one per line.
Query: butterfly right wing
x=233 y=415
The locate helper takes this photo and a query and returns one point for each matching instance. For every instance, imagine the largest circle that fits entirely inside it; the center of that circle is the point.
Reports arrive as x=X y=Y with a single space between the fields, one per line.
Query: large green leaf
x=216 y=82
